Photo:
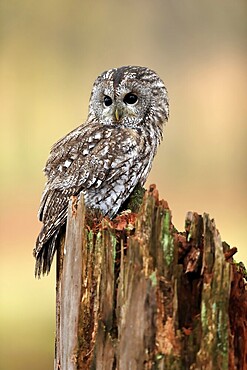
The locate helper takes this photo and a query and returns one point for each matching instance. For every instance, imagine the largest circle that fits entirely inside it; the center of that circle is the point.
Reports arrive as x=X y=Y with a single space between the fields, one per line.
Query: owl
x=106 y=157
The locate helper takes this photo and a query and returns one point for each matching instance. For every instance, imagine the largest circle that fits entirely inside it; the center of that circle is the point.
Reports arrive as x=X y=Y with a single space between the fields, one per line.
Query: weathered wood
x=69 y=289
x=213 y=353
x=140 y=295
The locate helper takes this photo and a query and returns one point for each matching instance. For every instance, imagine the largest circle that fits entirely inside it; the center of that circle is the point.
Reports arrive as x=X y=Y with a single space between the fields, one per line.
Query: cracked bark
x=148 y=297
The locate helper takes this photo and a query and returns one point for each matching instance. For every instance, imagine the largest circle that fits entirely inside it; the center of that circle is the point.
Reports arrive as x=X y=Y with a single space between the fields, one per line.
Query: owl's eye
x=107 y=100
x=130 y=98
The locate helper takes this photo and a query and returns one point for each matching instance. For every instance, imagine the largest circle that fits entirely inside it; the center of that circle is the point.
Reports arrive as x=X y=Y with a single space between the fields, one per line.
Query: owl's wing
x=85 y=157
x=66 y=170
x=84 y=160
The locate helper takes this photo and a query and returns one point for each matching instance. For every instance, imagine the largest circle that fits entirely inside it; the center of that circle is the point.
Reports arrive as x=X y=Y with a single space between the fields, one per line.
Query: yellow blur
x=51 y=52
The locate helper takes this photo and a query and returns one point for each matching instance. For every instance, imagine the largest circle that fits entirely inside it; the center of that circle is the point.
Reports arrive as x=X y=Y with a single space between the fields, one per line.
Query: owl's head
x=129 y=96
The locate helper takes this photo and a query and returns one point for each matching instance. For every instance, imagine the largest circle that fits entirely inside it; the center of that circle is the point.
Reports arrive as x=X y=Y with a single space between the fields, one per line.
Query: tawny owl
x=107 y=156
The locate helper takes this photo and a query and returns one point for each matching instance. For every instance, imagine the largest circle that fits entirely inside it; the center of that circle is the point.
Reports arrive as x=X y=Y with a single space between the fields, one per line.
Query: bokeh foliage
x=51 y=52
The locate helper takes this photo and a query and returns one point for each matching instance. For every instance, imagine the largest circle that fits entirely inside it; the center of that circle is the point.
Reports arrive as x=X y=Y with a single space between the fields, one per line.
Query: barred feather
x=106 y=157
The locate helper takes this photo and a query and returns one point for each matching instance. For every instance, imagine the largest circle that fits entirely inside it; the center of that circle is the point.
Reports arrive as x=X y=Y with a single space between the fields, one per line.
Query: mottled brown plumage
x=107 y=156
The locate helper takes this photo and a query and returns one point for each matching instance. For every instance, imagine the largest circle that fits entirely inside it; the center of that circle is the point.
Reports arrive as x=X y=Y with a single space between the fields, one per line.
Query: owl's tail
x=44 y=254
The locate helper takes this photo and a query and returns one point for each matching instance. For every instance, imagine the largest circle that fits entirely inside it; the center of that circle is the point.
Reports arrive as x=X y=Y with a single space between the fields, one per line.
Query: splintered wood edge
x=71 y=285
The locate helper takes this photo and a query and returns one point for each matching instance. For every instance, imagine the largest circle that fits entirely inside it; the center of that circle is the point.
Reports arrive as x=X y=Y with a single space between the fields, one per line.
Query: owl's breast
x=126 y=163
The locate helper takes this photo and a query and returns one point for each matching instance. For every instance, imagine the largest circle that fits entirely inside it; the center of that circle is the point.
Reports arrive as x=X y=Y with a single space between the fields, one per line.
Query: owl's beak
x=118 y=114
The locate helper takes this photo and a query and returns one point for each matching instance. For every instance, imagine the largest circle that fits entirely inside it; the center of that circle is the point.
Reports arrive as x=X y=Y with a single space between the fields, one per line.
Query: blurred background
x=51 y=53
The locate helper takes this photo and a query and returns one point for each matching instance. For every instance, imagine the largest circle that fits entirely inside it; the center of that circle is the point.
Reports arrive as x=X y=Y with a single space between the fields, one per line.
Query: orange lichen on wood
x=148 y=295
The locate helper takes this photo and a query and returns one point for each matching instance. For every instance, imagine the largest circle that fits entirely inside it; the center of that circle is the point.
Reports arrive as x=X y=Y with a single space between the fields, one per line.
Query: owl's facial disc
x=119 y=108
x=129 y=96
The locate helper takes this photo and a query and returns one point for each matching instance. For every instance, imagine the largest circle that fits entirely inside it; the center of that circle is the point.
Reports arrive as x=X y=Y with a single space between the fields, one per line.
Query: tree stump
x=134 y=293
